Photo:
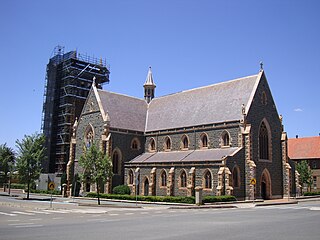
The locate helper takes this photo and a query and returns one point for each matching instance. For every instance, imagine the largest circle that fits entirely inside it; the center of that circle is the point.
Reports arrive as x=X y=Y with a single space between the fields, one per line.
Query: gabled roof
x=124 y=112
x=215 y=103
x=211 y=104
x=185 y=156
x=304 y=148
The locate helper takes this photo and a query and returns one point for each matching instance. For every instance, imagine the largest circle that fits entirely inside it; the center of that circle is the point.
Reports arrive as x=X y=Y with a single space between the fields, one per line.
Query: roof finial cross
x=261 y=66
x=94 y=81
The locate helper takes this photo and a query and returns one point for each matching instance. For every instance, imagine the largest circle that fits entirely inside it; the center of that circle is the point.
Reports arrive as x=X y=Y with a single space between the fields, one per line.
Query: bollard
x=198 y=195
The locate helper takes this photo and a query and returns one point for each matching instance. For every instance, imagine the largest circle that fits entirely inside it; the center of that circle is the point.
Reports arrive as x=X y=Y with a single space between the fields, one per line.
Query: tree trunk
x=28 y=189
x=98 y=192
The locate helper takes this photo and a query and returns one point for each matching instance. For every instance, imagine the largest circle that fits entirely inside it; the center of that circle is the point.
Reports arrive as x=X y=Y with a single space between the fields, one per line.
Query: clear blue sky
x=188 y=43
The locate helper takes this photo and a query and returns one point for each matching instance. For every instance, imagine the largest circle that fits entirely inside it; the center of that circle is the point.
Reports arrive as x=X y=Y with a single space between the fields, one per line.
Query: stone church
x=225 y=138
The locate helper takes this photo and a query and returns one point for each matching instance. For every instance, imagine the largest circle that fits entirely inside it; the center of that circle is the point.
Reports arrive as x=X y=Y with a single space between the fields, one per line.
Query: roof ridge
x=315 y=137
x=120 y=94
x=208 y=86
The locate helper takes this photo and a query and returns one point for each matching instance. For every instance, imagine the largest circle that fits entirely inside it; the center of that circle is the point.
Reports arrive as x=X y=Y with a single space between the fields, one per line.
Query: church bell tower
x=149 y=87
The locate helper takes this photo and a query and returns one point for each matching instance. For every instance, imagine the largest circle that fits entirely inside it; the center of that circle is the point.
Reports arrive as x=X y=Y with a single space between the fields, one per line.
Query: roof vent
x=297 y=136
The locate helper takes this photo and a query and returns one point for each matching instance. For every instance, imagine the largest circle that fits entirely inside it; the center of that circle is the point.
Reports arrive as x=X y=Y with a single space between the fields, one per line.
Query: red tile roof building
x=308 y=149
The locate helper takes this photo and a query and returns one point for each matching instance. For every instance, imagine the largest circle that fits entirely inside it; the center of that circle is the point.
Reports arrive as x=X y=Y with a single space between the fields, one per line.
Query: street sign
x=51 y=186
x=253 y=181
x=137 y=178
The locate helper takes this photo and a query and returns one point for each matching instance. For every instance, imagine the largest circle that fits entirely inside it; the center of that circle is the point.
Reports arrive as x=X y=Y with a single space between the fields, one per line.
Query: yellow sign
x=51 y=186
x=253 y=181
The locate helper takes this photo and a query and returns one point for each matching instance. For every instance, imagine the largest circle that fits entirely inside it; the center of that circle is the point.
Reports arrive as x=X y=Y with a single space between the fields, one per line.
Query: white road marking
x=35 y=219
x=55 y=211
x=107 y=220
x=113 y=214
x=19 y=224
x=95 y=219
x=23 y=213
x=14 y=220
x=40 y=212
x=57 y=218
x=128 y=213
x=96 y=211
x=8 y=214
x=29 y=226
x=315 y=208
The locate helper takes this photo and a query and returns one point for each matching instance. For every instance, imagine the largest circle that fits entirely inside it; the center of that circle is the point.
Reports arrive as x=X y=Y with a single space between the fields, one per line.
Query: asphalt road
x=158 y=222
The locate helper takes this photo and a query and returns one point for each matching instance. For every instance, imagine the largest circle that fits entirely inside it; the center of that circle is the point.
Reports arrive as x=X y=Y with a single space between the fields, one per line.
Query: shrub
x=189 y=200
x=224 y=198
x=17 y=186
x=54 y=192
x=122 y=190
x=311 y=193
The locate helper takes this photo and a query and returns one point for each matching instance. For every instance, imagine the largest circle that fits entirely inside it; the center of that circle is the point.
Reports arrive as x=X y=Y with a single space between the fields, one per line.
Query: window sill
x=228 y=146
x=265 y=160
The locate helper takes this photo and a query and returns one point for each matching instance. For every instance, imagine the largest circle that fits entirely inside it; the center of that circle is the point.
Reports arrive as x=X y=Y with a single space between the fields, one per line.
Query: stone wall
x=261 y=111
x=194 y=137
x=199 y=171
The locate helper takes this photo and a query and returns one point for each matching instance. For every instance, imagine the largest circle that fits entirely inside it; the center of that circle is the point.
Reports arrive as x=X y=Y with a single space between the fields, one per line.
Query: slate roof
x=124 y=112
x=200 y=106
x=185 y=156
x=211 y=104
x=304 y=148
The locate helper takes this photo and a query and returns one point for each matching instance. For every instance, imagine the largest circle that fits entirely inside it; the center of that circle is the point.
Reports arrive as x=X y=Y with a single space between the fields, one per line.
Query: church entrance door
x=146 y=187
x=265 y=186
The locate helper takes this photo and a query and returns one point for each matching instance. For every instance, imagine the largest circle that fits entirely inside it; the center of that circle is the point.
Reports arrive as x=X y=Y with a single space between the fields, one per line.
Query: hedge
x=17 y=186
x=213 y=199
x=311 y=193
x=54 y=192
x=189 y=200
x=121 y=190
x=171 y=199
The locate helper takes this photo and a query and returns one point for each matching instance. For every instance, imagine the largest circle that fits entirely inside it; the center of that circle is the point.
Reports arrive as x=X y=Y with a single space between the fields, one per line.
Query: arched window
x=207 y=180
x=130 y=182
x=185 y=142
x=152 y=145
x=163 y=178
x=89 y=137
x=264 y=98
x=263 y=142
x=236 y=177
x=167 y=143
x=115 y=163
x=146 y=187
x=225 y=139
x=204 y=140
x=135 y=144
x=183 y=179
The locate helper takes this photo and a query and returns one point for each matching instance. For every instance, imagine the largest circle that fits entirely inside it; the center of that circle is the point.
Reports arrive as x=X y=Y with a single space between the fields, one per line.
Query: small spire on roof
x=149 y=87
x=149 y=80
x=261 y=66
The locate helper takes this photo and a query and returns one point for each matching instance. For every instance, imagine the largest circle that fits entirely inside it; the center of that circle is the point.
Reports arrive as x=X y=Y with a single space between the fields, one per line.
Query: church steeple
x=149 y=87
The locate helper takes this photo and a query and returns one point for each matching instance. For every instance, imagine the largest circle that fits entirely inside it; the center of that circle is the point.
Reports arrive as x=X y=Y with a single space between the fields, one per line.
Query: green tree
x=96 y=167
x=305 y=173
x=31 y=152
x=7 y=159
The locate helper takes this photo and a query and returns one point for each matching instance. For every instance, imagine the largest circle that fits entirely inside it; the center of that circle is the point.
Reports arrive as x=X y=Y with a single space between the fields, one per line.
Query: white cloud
x=298 y=110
